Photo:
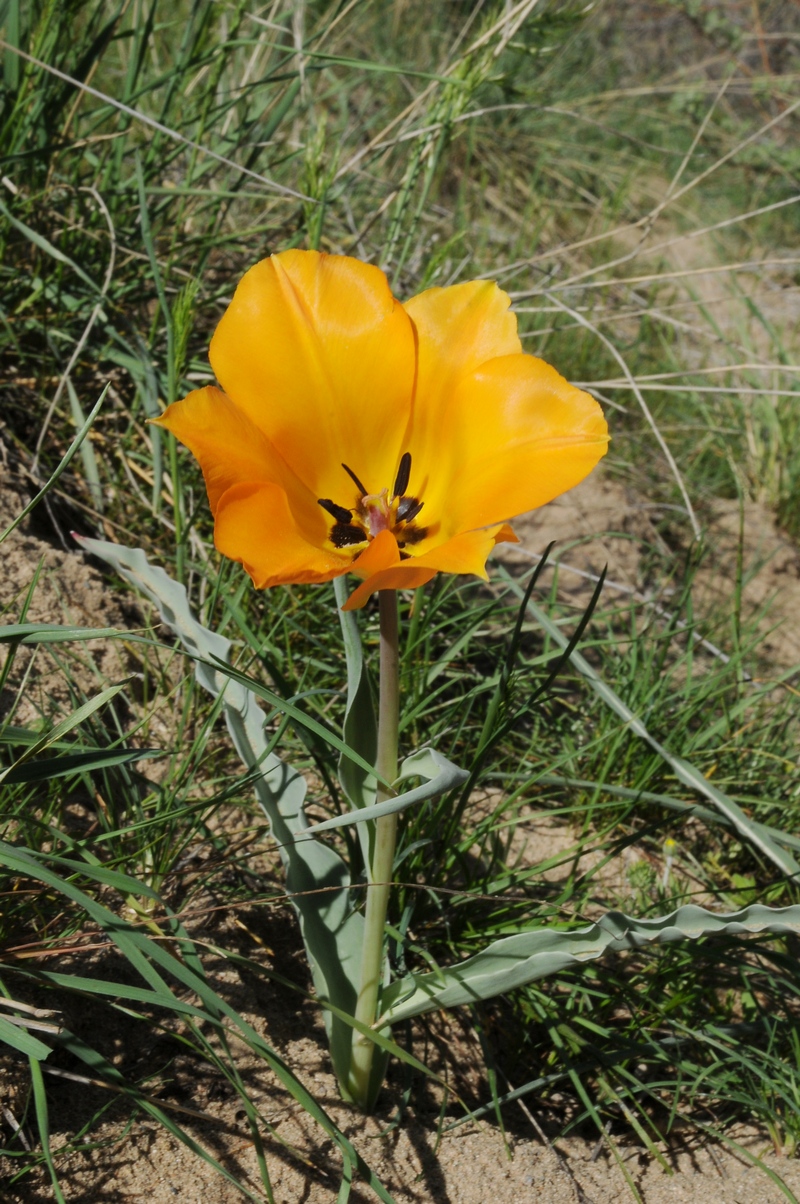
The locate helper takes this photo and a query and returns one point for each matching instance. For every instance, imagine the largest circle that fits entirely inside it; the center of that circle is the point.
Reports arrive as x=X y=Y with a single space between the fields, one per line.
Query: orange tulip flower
x=358 y=434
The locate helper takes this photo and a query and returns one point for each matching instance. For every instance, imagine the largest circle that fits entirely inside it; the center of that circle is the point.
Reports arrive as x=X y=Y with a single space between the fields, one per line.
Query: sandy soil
x=602 y=522
x=470 y=1164
x=68 y=592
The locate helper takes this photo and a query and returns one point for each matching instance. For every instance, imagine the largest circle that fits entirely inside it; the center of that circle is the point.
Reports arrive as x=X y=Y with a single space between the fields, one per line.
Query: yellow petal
x=226 y=444
x=465 y=553
x=458 y=329
x=381 y=553
x=518 y=435
x=320 y=356
x=255 y=527
x=231 y=449
x=506 y=534
x=403 y=576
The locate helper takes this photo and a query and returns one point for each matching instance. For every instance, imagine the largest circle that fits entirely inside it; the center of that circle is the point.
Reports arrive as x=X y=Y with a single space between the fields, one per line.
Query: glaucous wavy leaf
x=317 y=878
x=516 y=960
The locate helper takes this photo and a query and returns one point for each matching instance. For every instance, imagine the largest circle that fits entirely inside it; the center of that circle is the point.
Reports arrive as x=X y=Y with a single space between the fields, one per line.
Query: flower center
x=376 y=512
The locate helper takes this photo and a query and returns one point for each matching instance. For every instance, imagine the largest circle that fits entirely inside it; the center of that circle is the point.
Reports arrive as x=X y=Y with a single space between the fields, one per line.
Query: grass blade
x=74 y=447
x=683 y=770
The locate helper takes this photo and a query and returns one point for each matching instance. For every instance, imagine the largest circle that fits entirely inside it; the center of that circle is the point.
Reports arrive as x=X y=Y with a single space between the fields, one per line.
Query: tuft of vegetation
x=628 y=172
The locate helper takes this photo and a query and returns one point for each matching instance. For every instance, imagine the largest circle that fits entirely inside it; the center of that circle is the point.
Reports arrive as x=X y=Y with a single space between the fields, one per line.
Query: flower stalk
x=380 y=872
x=431 y=427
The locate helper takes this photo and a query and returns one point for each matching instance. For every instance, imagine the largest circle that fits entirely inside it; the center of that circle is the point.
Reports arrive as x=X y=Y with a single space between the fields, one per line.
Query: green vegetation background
x=150 y=153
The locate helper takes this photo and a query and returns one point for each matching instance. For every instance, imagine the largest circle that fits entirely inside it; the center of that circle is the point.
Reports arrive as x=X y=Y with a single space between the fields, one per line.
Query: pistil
x=377 y=512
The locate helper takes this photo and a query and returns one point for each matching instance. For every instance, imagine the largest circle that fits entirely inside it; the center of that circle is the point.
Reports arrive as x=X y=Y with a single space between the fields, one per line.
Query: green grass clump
x=628 y=174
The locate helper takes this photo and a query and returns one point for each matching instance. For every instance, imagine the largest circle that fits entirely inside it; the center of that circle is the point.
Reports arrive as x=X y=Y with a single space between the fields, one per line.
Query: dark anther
x=403 y=475
x=340 y=513
x=409 y=508
x=415 y=534
x=355 y=479
x=345 y=534
x=405 y=556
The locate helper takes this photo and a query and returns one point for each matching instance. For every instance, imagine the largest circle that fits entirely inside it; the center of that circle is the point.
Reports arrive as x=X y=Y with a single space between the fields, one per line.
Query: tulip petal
x=518 y=436
x=321 y=358
x=506 y=534
x=224 y=441
x=229 y=447
x=255 y=526
x=403 y=576
x=381 y=553
x=458 y=329
x=464 y=553
x=231 y=450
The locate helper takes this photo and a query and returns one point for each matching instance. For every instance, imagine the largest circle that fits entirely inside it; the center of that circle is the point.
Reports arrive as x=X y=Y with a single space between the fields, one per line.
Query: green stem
x=380 y=882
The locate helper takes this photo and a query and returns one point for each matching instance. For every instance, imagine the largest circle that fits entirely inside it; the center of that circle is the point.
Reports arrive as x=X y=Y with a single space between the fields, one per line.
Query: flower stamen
x=408 y=509
x=414 y=535
x=362 y=489
x=403 y=475
x=340 y=513
x=375 y=512
x=345 y=535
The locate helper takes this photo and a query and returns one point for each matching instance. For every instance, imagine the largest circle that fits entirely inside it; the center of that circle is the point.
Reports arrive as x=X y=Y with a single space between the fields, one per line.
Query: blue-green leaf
x=317 y=879
x=516 y=960
x=439 y=774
